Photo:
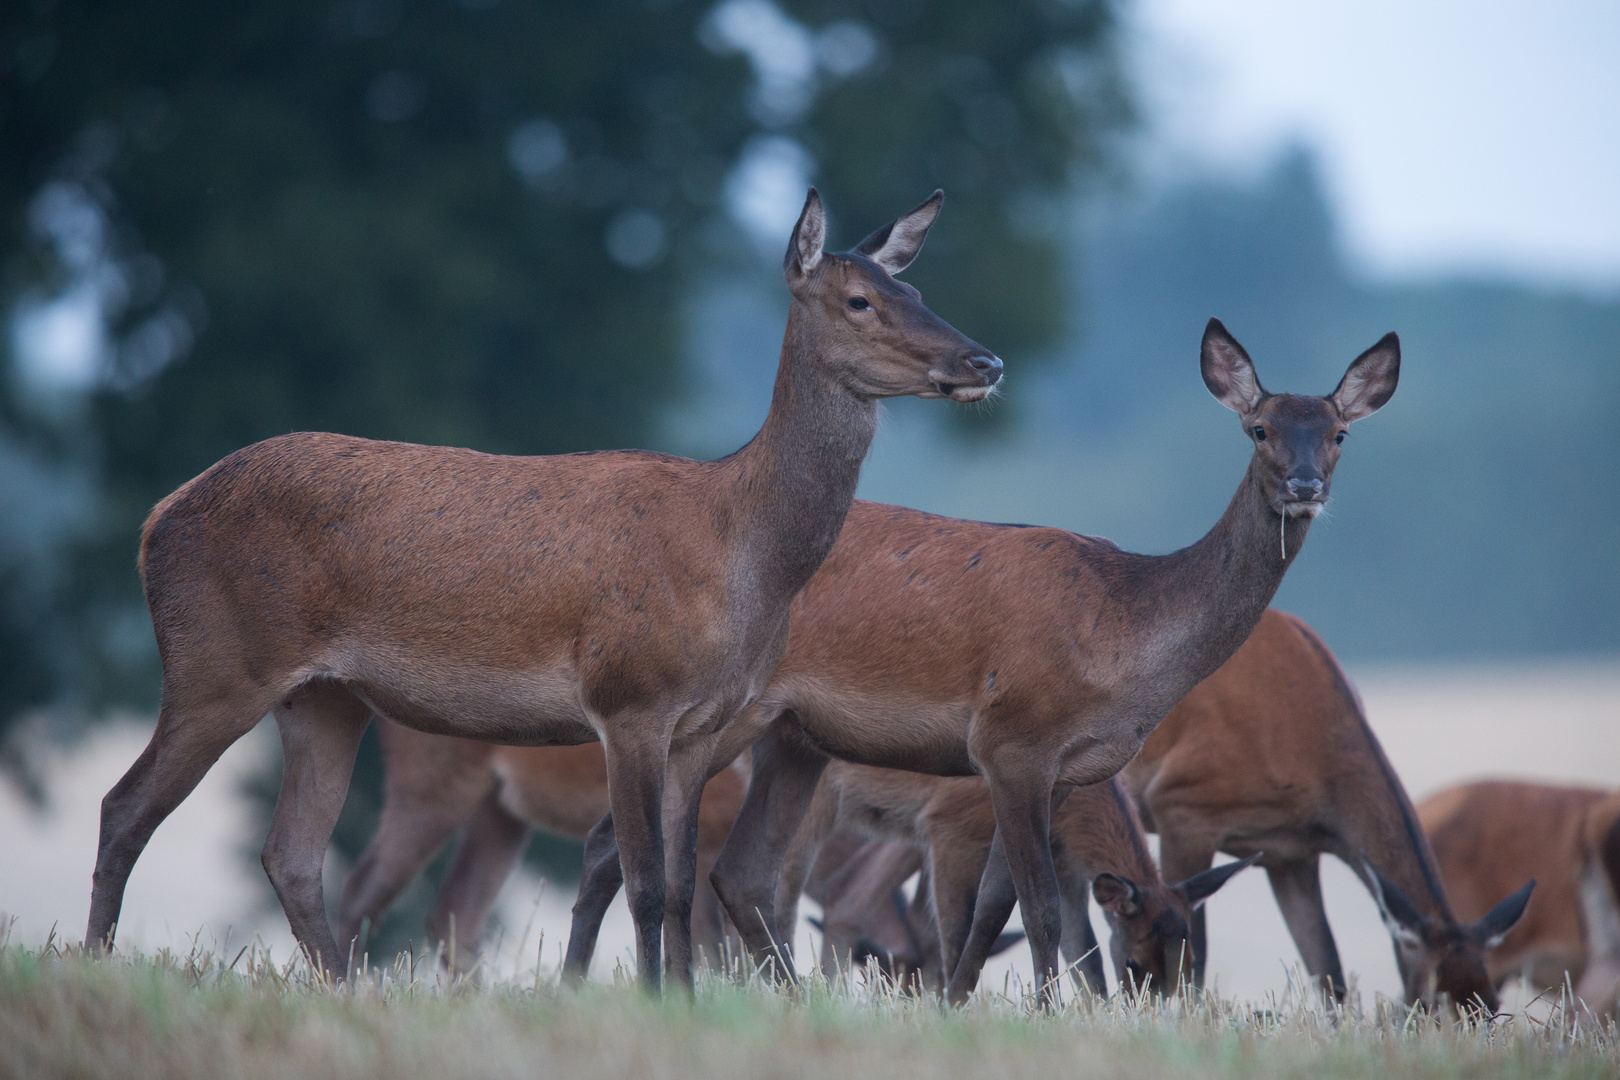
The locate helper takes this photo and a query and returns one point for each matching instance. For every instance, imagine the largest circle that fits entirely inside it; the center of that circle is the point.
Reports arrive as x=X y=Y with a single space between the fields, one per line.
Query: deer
x=437 y=786
x=1098 y=850
x=1272 y=756
x=1568 y=839
x=632 y=598
x=1034 y=657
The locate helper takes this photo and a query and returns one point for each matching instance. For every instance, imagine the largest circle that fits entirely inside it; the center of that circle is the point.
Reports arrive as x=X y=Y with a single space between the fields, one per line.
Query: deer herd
x=588 y=643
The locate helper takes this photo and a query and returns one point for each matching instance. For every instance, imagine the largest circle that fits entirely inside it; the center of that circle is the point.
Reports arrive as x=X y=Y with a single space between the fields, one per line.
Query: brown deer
x=436 y=786
x=635 y=598
x=1272 y=753
x=1097 y=847
x=1492 y=832
x=1034 y=657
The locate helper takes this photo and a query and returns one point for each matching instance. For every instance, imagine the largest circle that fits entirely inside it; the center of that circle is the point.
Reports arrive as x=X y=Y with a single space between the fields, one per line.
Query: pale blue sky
x=1480 y=136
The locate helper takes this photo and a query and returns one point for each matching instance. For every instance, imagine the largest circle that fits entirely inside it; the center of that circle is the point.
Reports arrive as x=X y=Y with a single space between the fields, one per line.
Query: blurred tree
x=469 y=223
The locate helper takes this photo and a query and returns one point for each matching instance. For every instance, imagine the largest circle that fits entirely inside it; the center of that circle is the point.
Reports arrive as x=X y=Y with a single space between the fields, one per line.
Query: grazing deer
x=436 y=786
x=1034 y=657
x=1097 y=847
x=634 y=598
x=1273 y=753
x=1489 y=833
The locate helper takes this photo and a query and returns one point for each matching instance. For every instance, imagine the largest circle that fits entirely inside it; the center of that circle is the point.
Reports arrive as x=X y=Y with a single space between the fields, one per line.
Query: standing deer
x=1568 y=838
x=1034 y=657
x=1097 y=847
x=634 y=598
x=436 y=786
x=1272 y=753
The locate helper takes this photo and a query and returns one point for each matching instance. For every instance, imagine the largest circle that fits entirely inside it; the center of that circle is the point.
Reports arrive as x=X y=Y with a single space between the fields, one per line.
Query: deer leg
x=799 y=863
x=597 y=887
x=685 y=776
x=708 y=918
x=636 y=767
x=1080 y=949
x=956 y=871
x=862 y=914
x=785 y=773
x=1298 y=888
x=1020 y=863
x=490 y=847
x=186 y=743
x=925 y=932
x=989 y=911
x=320 y=733
x=416 y=822
x=1181 y=857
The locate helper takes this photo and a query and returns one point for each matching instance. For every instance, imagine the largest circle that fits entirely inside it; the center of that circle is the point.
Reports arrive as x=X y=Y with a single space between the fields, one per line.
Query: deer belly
x=514 y=708
x=890 y=733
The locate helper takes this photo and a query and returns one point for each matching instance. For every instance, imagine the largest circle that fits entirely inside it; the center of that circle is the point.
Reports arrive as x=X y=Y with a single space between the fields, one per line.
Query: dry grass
x=63 y=1013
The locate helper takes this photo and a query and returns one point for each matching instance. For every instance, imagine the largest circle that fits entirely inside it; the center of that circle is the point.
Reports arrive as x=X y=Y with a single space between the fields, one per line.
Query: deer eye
x=1338 y=440
x=859 y=303
x=1259 y=433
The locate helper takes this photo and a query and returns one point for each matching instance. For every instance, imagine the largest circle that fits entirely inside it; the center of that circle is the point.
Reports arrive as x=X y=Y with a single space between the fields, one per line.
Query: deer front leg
x=635 y=767
x=687 y=773
x=1298 y=888
x=598 y=885
x=785 y=773
x=1021 y=851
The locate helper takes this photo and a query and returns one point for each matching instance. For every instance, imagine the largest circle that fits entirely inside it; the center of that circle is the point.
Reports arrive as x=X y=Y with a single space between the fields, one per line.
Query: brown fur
x=1035 y=657
x=951 y=821
x=1272 y=755
x=436 y=786
x=635 y=598
x=1491 y=835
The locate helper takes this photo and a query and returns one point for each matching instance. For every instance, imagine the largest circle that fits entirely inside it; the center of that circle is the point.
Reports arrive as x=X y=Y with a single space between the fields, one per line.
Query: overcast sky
x=1478 y=136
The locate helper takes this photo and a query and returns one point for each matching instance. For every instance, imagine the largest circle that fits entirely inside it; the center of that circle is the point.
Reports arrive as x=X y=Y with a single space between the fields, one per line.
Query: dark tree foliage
x=471 y=223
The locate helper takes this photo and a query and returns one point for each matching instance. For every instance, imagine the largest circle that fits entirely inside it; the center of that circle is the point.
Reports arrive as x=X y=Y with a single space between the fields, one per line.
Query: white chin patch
x=971 y=393
x=1304 y=509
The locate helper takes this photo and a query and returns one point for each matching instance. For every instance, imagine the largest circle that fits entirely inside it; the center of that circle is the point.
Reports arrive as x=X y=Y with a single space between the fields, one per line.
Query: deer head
x=1297 y=437
x=872 y=329
x=1149 y=943
x=1439 y=958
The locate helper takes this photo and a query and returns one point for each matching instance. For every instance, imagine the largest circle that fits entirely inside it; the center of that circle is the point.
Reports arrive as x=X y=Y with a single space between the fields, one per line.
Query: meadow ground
x=172 y=1015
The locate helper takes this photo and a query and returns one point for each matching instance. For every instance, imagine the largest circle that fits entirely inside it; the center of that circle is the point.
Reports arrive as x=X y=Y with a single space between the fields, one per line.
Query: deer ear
x=1117 y=894
x=1228 y=371
x=1370 y=381
x=1490 y=930
x=897 y=243
x=1404 y=922
x=1200 y=887
x=809 y=237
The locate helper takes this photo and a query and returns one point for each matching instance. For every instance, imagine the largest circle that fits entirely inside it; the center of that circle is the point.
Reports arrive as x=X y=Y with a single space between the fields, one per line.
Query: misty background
x=539 y=228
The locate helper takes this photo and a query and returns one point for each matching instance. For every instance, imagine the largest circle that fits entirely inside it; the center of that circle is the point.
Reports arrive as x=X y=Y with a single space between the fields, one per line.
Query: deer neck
x=792 y=485
x=1204 y=600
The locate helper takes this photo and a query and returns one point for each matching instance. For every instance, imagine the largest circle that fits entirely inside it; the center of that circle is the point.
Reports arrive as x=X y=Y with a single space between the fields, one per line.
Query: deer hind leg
x=320 y=728
x=422 y=810
x=1181 y=857
x=865 y=912
x=490 y=847
x=786 y=771
x=598 y=885
x=1298 y=888
x=190 y=737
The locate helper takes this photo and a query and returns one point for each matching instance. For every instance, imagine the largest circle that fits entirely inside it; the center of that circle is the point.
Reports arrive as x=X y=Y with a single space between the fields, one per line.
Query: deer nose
x=987 y=366
x=1304 y=489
